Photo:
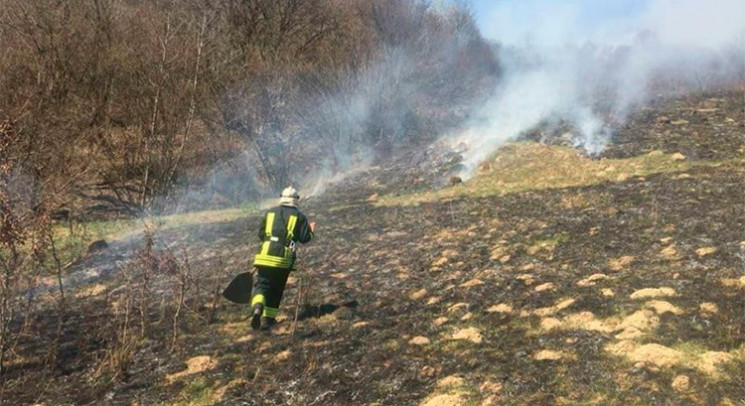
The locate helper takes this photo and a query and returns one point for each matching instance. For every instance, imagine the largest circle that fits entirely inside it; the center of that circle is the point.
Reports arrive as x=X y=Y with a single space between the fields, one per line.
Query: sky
x=611 y=22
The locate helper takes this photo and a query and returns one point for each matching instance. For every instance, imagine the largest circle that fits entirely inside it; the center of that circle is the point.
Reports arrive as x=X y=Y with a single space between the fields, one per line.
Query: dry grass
x=527 y=166
x=73 y=242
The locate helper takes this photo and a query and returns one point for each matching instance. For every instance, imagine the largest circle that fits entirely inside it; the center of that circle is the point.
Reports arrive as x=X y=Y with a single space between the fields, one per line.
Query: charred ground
x=619 y=286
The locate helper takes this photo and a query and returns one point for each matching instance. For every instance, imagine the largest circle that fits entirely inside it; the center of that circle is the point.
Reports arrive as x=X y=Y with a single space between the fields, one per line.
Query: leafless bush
x=157 y=292
x=130 y=102
x=25 y=236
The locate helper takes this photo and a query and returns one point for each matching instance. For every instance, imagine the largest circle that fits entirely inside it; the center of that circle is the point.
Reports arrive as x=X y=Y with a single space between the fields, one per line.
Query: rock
x=607 y=292
x=681 y=383
x=360 y=324
x=471 y=334
x=678 y=157
x=96 y=246
x=440 y=321
x=419 y=340
x=702 y=252
x=653 y=292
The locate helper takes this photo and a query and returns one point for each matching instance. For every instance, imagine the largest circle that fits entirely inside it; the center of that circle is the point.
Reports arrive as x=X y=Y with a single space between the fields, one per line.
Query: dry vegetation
x=547 y=278
x=122 y=105
x=607 y=290
x=117 y=108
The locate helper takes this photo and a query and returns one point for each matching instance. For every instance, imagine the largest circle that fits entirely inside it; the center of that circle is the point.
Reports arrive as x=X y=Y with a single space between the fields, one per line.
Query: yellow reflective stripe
x=270 y=312
x=269 y=224
x=272 y=261
x=258 y=298
x=265 y=247
x=291 y=227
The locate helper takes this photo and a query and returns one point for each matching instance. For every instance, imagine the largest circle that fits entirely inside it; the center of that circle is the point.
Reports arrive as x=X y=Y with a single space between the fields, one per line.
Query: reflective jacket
x=283 y=226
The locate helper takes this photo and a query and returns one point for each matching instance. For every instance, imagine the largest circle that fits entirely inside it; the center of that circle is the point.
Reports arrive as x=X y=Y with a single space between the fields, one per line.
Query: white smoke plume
x=589 y=63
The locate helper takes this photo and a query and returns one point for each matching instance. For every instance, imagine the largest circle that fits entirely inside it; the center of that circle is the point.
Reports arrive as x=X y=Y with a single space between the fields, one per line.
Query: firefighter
x=282 y=228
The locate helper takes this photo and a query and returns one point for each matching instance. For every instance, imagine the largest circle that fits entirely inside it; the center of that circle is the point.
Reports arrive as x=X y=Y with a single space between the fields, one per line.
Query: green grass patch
x=196 y=393
x=72 y=243
x=525 y=166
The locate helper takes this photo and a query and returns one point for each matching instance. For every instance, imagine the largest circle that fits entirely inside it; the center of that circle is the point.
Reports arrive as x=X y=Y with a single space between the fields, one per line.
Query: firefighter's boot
x=267 y=323
x=258 y=310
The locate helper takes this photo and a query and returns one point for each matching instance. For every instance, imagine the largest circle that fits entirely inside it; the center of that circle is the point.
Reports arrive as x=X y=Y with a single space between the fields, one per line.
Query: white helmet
x=289 y=197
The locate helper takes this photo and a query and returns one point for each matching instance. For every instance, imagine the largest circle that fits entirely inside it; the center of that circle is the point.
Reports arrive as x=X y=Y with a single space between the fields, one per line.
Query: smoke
x=588 y=63
x=430 y=66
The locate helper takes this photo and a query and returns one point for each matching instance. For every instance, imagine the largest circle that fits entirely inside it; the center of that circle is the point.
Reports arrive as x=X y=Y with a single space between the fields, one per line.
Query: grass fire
x=388 y=202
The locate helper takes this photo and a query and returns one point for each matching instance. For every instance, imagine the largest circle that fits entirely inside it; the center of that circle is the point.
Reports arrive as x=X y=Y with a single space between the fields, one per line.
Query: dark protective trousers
x=268 y=289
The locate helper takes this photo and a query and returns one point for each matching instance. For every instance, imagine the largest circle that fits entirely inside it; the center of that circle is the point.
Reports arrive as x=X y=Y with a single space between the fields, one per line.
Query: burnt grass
x=374 y=278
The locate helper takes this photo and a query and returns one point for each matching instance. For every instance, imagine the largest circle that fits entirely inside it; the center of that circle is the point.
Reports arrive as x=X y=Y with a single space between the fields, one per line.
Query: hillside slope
x=549 y=278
